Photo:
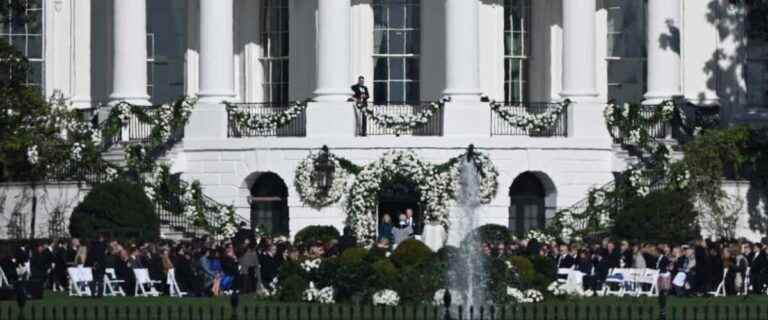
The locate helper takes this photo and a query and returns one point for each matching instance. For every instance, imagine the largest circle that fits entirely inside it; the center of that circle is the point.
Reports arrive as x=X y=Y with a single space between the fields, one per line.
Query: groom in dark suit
x=361 y=94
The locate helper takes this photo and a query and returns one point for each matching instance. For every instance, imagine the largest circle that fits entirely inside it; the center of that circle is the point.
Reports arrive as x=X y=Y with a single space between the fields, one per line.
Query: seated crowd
x=209 y=268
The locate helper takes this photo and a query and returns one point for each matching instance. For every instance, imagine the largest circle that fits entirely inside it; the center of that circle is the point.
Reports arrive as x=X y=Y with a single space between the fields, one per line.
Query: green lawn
x=163 y=308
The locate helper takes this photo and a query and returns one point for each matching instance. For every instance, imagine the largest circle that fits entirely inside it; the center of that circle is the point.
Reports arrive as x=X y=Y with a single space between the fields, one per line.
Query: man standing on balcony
x=361 y=94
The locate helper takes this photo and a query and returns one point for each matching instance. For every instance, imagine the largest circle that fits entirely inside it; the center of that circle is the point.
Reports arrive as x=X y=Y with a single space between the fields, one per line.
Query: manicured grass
x=57 y=306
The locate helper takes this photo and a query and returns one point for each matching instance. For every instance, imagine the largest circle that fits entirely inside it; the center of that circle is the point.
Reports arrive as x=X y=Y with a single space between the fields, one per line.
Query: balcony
x=244 y=118
x=371 y=120
x=531 y=119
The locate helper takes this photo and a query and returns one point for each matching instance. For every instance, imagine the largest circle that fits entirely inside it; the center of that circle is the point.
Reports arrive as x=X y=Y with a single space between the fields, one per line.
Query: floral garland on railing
x=265 y=122
x=433 y=187
x=627 y=126
x=308 y=191
x=532 y=122
x=165 y=119
x=401 y=122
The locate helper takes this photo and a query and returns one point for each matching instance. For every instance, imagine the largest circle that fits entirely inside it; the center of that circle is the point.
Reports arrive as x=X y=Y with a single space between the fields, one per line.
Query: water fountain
x=469 y=269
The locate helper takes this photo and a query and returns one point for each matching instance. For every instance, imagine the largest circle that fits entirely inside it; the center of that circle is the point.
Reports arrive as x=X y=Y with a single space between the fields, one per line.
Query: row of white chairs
x=635 y=282
x=81 y=279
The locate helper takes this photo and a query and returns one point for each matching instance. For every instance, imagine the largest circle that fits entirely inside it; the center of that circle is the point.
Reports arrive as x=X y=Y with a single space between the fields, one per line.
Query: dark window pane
x=412 y=91
x=397 y=42
x=284 y=42
x=20 y=42
x=381 y=71
x=412 y=69
x=35 y=74
x=397 y=68
x=380 y=42
x=284 y=19
x=379 y=17
x=35 y=22
x=397 y=91
x=276 y=72
x=285 y=71
x=34 y=4
x=35 y=47
x=380 y=93
x=413 y=42
x=396 y=16
x=413 y=19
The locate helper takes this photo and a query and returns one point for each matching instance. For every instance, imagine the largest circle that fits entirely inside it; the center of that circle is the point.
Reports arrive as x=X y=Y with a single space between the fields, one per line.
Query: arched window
x=166 y=46
x=627 y=52
x=527 y=207
x=269 y=204
x=757 y=54
x=22 y=25
x=397 y=46
x=516 y=49
x=274 y=57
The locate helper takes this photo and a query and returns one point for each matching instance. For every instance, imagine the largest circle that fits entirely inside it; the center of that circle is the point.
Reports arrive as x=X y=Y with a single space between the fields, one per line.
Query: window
x=22 y=27
x=757 y=54
x=627 y=50
x=166 y=46
x=275 y=55
x=516 y=48
x=397 y=41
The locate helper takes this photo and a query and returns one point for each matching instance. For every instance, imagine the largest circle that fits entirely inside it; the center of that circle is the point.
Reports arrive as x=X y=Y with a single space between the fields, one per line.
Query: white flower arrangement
x=77 y=151
x=518 y=296
x=488 y=176
x=401 y=121
x=361 y=203
x=534 y=295
x=531 y=121
x=311 y=265
x=457 y=299
x=640 y=182
x=308 y=191
x=33 y=156
x=265 y=122
x=539 y=236
x=569 y=289
x=386 y=297
x=324 y=295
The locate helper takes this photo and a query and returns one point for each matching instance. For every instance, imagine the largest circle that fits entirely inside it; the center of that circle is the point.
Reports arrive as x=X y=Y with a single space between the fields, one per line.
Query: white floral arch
x=361 y=204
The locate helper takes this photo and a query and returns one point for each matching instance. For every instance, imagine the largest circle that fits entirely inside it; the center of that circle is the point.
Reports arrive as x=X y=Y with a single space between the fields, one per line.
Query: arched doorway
x=269 y=203
x=527 y=208
x=396 y=196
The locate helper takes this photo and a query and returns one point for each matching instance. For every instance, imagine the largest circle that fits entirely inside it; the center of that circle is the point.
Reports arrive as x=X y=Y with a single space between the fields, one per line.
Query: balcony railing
x=656 y=129
x=297 y=127
x=365 y=126
x=502 y=127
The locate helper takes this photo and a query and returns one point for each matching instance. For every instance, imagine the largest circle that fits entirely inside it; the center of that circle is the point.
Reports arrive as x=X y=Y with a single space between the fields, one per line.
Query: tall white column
x=217 y=71
x=585 y=114
x=579 y=57
x=664 y=25
x=333 y=48
x=462 y=70
x=129 y=81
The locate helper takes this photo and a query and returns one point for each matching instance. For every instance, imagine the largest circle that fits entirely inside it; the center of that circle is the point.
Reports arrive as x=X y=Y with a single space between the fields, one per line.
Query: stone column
x=585 y=114
x=129 y=82
x=664 y=25
x=333 y=47
x=462 y=69
x=217 y=71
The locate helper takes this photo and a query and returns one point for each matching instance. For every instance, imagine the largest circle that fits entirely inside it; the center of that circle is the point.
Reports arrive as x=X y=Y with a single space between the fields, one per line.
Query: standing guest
x=758 y=268
x=741 y=266
x=96 y=260
x=638 y=260
x=360 y=91
x=385 y=228
x=229 y=268
x=679 y=268
x=729 y=264
x=403 y=230
x=585 y=265
x=626 y=255
x=204 y=263
x=613 y=256
x=72 y=251
x=664 y=265
x=411 y=221
x=701 y=276
x=347 y=240
x=250 y=272
x=60 y=279
x=269 y=264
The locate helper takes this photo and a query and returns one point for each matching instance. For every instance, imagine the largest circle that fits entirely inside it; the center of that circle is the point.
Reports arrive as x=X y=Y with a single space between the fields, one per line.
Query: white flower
x=77 y=150
x=534 y=295
x=386 y=297
x=32 y=155
x=310 y=265
x=518 y=296
x=539 y=236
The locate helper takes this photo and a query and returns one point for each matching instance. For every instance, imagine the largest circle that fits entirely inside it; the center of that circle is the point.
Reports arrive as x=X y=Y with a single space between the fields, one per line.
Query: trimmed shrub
x=412 y=253
x=489 y=233
x=448 y=253
x=416 y=283
x=662 y=216
x=352 y=276
x=291 y=289
x=383 y=275
x=525 y=269
x=119 y=209
x=312 y=234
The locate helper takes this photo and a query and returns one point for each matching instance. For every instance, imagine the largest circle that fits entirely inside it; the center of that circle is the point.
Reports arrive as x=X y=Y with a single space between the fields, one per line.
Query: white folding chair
x=747 y=283
x=647 y=284
x=112 y=285
x=720 y=290
x=145 y=286
x=79 y=285
x=617 y=278
x=173 y=286
x=563 y=274
x=4 y=283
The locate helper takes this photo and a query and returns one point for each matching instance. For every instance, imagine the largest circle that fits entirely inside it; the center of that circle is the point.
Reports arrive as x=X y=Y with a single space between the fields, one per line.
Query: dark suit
x=96 y=259
x=361 y=92
x=758 y=270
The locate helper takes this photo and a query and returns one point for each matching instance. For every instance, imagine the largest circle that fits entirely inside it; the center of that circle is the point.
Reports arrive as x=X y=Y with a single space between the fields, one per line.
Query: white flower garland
x=400 y=122
x=488 y=177
x=308 y=191
x=324 y=295
x=433 y=188
x=266 y=122
x=529 y=121
x=386 y=297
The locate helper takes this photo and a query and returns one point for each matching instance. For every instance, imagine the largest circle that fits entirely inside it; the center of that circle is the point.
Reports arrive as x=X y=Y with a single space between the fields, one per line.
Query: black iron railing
x=683 y=126
x=656 y=129
x=365 y=126
x=184 y=309
x=502 y=127
x=295 y=128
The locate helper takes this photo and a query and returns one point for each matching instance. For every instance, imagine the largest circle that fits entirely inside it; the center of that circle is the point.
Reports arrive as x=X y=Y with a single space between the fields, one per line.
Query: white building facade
x=526 y=53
